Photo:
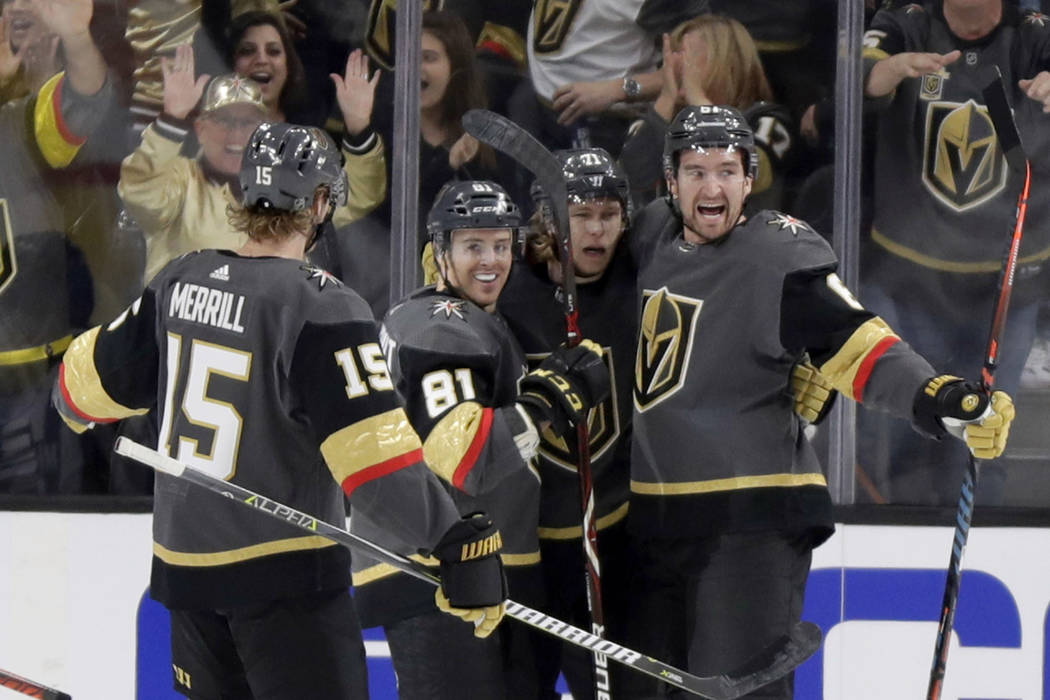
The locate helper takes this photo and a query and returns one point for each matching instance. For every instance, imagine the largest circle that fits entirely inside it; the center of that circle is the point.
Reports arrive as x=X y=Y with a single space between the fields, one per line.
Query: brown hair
x=735 y=75
x=293 y=95
x=466 y=86
x=262 y=225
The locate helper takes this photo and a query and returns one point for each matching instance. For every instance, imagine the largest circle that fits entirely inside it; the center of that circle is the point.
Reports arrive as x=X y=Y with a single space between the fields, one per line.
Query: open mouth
x=594 y=251
x=711 y=210
x=21 y=25
x=261 y=78
x=486 y=277
x=235 y=150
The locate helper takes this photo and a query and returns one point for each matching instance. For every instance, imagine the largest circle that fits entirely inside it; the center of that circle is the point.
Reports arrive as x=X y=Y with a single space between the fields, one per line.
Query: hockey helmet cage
x=284 y=164
x=589 y=173
x=471 y=204
x=710 y=126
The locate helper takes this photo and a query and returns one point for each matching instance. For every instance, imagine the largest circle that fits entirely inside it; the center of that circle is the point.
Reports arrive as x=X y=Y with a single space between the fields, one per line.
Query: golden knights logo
x=8 y=263
x=665 y=342
x=963 y=165
x=552 y=20
x=379 y=32
x=603 y=423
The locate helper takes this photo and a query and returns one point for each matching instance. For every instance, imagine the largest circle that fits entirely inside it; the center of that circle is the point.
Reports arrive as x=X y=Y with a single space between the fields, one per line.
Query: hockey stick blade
x=1002 y=118
x=32 y=689
x=782 y=657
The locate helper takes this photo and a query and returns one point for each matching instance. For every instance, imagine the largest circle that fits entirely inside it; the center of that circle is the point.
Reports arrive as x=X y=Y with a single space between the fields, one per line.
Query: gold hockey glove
x=473 y=586
x=814 y=395
x=956 y=406
x=566 y=385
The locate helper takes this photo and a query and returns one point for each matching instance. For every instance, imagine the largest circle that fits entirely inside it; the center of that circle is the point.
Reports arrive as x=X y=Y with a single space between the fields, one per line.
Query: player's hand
x=1038 y=89
x=182 y=91
x=577 y=100
x=671 y=97
x=814 y=395
x=566 y=385
x=473 y=586
x=962 y=409
x=888 y=73
x=355 y=91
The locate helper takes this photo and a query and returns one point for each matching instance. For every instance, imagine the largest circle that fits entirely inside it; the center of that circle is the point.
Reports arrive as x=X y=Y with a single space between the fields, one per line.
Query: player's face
x=711 y=187
x=596 y=226
x=434 y=72
x=478 y=263
x=224 y=133
x=21 y=22
x=260 y=56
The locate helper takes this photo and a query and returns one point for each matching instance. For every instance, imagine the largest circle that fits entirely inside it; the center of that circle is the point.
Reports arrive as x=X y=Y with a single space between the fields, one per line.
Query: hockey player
x=727 y=497
x=463 y=377
x=599 y=214
x=265 y=370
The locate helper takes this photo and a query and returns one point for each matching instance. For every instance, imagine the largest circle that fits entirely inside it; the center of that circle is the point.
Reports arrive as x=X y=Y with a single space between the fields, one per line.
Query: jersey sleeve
x=110 y=372
x=63 y=119
x=348 y=401
x=154 y=178
x=853 y=348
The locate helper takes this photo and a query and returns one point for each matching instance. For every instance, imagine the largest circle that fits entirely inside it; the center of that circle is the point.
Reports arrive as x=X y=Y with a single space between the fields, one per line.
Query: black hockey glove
x=960 y=408
x=567 y=384
x=473 y=586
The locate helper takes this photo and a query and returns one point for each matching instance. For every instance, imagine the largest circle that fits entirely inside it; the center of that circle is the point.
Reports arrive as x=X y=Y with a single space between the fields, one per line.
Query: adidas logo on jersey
x=221 y=273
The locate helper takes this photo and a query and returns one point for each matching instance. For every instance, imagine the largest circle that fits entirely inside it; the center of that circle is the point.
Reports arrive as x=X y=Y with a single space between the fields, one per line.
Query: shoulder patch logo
x=786 y=221
x=665 y=342
x=323 y=277
x=1036 y=18
x=449 y=307
x=221 y=273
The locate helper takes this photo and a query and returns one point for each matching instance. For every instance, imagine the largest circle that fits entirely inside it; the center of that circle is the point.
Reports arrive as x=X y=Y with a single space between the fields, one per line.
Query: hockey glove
x=961 y=408
x=567 y=384
x=814 y=395
x=473 y=586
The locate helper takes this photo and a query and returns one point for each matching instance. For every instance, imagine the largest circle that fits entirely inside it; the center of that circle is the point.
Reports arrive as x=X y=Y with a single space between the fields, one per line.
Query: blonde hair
x=263 y=225
x=734 y=73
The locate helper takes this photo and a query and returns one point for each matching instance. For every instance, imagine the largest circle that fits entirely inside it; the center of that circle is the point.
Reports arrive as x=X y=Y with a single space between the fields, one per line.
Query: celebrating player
x=599 y=213
x=263 y=367
x=457 y=365
x=727 y=496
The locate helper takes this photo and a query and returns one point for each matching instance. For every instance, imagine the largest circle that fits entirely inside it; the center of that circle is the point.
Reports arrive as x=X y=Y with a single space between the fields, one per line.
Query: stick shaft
x=713 y=687
x=31 y=688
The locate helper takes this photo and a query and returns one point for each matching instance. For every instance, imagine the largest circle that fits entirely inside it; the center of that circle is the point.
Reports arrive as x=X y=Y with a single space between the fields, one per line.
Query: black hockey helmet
x=471 y=204
x=589 y=173
x=710 y=126
x=284 y=164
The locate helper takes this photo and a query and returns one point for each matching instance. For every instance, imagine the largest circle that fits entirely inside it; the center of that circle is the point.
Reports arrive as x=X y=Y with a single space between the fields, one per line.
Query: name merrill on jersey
x=212 y=307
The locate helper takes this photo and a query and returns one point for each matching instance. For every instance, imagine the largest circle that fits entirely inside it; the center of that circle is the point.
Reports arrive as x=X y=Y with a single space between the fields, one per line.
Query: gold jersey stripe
x=84 y=387
x=874 y=54
x=57 y=144
x=381 y=571
x=452 y=438
x=735 y=483
x=918 y=258
x=843 y=368
x=576 y=532
x=374 y=440
x=509 y=41
x=35 y=354
x=233 y=556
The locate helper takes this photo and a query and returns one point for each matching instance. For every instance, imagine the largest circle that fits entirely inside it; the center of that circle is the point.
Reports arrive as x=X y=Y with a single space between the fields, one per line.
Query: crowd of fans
x=186 y=83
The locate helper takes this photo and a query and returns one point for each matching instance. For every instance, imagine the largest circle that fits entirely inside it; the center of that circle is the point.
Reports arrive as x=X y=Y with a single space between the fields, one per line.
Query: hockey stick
x=1010 y=142
x=507 y=137
x=777 y=660
x=28 y=687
